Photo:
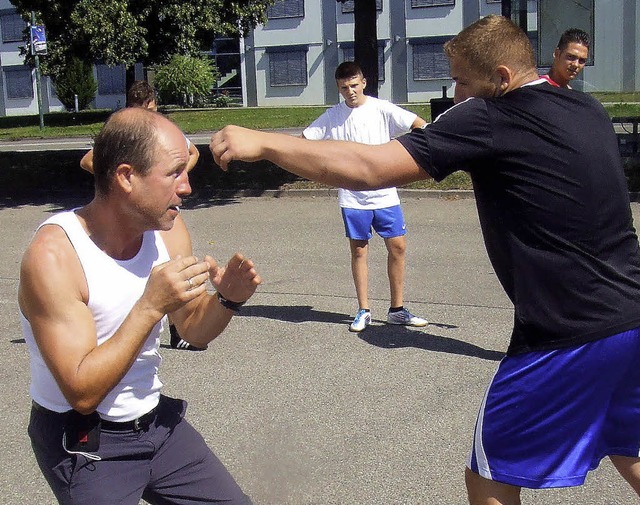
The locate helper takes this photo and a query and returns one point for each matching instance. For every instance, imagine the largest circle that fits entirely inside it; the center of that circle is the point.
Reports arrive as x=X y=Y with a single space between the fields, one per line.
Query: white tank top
x=114 y=288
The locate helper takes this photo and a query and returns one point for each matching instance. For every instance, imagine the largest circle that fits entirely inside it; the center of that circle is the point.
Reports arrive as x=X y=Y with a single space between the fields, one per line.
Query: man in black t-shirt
x=555 y=215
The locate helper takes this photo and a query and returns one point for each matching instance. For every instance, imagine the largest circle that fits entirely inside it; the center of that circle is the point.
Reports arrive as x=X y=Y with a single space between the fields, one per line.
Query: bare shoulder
x=50 y=267
x=177 y=239
x=49 y=247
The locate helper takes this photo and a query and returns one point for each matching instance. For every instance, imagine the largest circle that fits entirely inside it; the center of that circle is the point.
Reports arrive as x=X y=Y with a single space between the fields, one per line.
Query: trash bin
x=439 y=105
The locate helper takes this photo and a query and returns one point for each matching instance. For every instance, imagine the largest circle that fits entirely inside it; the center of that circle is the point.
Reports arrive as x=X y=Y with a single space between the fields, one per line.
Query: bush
x=76 y=79
x=185 y=80
x=222 y=100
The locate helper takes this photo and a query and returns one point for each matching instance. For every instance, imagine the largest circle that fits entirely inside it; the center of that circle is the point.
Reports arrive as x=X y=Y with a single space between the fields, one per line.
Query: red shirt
x=550 y=80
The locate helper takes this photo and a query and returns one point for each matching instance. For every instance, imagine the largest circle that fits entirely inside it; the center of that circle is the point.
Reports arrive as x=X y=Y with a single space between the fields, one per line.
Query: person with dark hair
x=569 y=57
x=95 y=285
x=142 y=94
x=366 y=119
x=554 y=210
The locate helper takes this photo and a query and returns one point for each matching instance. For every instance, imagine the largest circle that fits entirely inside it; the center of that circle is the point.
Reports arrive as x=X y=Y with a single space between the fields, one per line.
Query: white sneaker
x=361 y=321
x=405 y=318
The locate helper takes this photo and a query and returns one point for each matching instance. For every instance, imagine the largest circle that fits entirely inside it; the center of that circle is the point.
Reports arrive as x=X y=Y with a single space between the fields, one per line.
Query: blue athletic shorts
x=387 y=222
x=549 y=417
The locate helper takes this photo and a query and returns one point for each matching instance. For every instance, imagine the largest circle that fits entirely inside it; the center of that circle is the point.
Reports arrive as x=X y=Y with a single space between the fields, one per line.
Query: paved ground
x=300 y=410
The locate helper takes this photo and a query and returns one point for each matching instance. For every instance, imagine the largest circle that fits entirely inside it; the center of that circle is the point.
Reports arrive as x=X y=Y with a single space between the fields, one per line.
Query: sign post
x=38 y=47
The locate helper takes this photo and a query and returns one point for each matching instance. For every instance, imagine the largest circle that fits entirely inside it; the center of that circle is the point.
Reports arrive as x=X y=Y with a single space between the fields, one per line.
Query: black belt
x=141 y=423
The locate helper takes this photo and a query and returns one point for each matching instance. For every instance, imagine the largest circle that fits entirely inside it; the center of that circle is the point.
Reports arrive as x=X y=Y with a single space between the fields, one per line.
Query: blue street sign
x=38 y=40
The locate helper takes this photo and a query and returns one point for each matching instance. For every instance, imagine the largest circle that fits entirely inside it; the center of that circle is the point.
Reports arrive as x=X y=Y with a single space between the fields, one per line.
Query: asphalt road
x=299 y=409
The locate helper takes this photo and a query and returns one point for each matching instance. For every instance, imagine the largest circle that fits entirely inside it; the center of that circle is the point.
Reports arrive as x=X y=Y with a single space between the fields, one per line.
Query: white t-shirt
x=374 y=122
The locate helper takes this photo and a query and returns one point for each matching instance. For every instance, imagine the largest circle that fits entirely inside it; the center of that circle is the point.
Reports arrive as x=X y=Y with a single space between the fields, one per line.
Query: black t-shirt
x=554 y=209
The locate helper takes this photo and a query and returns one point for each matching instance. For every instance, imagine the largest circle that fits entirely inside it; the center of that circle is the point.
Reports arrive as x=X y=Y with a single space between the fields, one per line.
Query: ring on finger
x=190 y=283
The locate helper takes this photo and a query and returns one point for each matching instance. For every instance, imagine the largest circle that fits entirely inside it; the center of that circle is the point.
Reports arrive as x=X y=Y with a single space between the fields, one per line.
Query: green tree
x=185 y=80
x=126 y=31
x=76 y=79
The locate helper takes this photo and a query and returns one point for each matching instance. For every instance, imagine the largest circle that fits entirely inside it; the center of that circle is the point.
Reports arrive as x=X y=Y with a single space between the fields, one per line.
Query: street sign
x=38 y=40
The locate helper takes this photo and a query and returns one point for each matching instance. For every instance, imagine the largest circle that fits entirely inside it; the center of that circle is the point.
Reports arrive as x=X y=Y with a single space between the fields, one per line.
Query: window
x=430 y=3
x=429 y=60
x=287 y=67
x=19 y=82
x=111 y=80
x=348 y=55
x=347 y=7
x=494 y=1
x=286 y=9
x=12 y=26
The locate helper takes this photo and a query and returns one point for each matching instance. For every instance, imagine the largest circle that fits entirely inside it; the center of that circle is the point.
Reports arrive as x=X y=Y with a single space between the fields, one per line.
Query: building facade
x=290 y=60
x=18 y=94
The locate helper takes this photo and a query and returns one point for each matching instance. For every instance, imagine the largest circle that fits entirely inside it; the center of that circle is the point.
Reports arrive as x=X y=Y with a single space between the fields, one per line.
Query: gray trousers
x=168 y=462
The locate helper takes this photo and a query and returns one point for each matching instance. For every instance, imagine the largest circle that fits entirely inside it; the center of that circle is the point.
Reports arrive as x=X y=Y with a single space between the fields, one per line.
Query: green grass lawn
x=88 y=123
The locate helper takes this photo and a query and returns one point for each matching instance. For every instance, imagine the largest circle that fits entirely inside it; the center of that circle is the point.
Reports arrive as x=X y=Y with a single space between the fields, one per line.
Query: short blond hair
x=490 y=42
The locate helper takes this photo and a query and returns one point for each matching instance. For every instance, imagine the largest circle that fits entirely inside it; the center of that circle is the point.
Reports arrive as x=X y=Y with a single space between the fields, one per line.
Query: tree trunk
x=366 y=43
x=506 y=8
x=130 y=77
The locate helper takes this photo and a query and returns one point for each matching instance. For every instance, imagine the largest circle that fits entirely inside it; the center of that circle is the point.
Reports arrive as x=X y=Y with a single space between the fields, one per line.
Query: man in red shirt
x=569 y=57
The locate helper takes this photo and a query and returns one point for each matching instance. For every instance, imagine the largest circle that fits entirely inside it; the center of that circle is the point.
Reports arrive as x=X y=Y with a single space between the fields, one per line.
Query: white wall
x=291 y=32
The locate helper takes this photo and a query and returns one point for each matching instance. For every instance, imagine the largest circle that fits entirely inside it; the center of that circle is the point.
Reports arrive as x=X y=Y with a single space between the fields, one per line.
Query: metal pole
x=38 y=82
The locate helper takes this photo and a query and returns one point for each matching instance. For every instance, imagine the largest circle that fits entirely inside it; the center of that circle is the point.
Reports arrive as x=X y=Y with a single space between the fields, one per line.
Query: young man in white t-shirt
x=368 y=120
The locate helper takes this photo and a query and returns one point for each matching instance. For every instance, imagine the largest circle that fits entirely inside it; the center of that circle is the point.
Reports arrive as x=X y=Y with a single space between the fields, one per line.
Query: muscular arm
x=203 y=319
x=336 y=163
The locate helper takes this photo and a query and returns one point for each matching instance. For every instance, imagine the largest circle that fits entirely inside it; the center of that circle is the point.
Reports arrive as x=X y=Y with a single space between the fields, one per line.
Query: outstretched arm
x=336 y=163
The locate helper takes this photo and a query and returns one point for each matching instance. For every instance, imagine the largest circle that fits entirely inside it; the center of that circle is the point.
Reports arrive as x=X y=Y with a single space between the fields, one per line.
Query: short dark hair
x=347 y=70
x=128 y=136
x=575 y=35
x=140 y=94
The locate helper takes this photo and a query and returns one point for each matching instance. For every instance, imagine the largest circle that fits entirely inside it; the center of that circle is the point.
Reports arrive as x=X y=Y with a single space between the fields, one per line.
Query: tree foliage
x=126 y=31
x=76 y=80
x=185 y=80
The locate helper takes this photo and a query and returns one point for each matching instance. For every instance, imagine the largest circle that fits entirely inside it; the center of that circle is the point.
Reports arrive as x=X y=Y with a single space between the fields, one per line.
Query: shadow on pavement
x=380 y=335
x=295 y=314
x=397 y=337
